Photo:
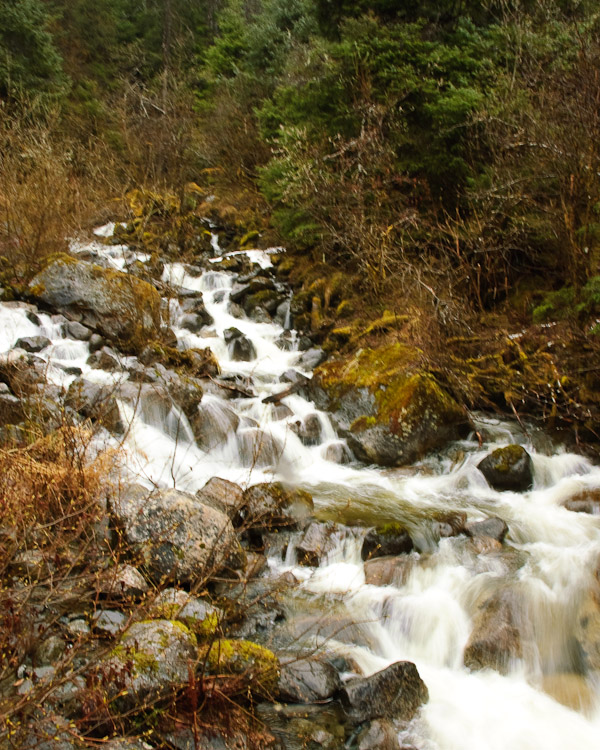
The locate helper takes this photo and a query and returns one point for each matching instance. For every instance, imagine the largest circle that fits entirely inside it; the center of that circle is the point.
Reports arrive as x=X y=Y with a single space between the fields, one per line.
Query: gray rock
x=309 y=429
x=495 y=528
x=389 y=571
x=78 y=628
x=96 y=402
x=109 y=621
x=307 y=680
x=258 y=448
x=152 y=659
x=33 y=344
x=338 y=453
x=105 y=359
x=223 y=495
x=379 y=734
x=178 y=537
x=175 y=604
x=125 y=743
x=118 y=305
x=396 y=692
x=50 y=733
x=96 y=342
x=194 y=323
x=496 y=637
x=240 y=348
x=509 y=468
x=213 y=423
x=271 y=505
x=122 y=582
x=259 y=315
x=390 y=539
x=258 y=284
x=75 y=330
x=316 y=542
x=311 y=358
x=50 y=650
x=11 y=409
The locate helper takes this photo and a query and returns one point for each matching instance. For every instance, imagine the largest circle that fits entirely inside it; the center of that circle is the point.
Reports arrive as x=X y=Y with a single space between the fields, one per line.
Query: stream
x=550 y=554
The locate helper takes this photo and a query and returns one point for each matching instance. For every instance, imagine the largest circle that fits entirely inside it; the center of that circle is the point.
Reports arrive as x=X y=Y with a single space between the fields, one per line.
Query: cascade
x=425 y=616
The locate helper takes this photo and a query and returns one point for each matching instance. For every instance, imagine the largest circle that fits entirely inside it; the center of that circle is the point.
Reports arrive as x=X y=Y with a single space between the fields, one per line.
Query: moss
x=506 y=458
x=231 y=657
x=142 y=661
x=249 y=237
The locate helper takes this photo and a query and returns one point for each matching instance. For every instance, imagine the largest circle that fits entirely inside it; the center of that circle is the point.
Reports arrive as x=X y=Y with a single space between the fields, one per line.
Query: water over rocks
x=265 y=574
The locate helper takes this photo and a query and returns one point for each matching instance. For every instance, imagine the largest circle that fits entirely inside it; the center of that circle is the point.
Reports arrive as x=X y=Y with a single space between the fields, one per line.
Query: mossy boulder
x=125 y=309
x=177 y=536
x=388 y=539
x=389 y=409
x=272 y=505
x=508 y=468
x=152 y=660
x=253 y=668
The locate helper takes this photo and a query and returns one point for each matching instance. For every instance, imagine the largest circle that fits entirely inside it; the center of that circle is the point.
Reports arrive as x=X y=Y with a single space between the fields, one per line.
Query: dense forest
x=443 y=155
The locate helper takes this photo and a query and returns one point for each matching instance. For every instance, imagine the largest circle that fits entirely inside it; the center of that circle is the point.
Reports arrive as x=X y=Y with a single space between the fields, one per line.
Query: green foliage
x=567 y=303
x=30 y=65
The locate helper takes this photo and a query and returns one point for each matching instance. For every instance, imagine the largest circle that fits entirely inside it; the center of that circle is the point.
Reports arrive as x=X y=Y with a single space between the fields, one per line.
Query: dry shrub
x=51 y=482
x=49 y=186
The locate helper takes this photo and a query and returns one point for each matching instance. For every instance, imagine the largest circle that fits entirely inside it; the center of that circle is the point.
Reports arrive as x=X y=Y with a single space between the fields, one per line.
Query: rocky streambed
x=285 y=550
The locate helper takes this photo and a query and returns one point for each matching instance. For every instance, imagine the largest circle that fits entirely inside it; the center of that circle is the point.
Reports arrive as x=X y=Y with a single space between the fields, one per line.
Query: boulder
x=223 y=495
x=509 y=468
x=258 y=448
x=337 y=453
x=494 y=528
x=496 y=637
x=241 y=667
x=311 y=358
x=586 y=501
x=389 y=539
x=174 y=604
x=240 y=348
x=396 y=692
x=307 y=680
x=316 y=542
x=178 y=537
x=213 y=423
x=152 y=660
x=389 y=571
x=33 y=344
x=271 y=505
x=75 y=330
x=390 y=412
x=308 y=429
x=305 y=726
x=122 y=582
x=121 y=307
x=11 y=409
x=241 y=291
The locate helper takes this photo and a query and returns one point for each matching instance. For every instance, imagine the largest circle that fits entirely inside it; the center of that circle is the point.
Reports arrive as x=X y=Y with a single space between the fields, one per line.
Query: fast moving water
x=427 y=617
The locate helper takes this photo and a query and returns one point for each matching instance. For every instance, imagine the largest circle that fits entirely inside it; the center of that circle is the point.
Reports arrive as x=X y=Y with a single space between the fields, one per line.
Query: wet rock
x=268 y=300
x=494 y=528
x=153 y=659
x=285 y=342
x=587 y=625
x=389 y=412
x=586 y=501
x=194 y=323
x=379 y=734
x=509 y=468
x=258 y=448
x=311 y=358
x=96 y=402
x=33 y=344
x=306 y=680
x=241 y=291
x=256 y=668
x=213 y=424
x=496 y=637
x=177 y=536
x=316 y=542
x=75 y=330
x=337 y=453
x=389 y=539
x=260 y=315
x=447 y=524
x=125 y=743
x=389 y=571
x=293 y=376
x=396 y=692
x=240 y=348
x=96 y=342
x=282 y=313
x=105 y=359
x=236 y=311
x=280 y=411
x=119 y=306
x=223 y=495
x=272 y=505
x=308 y=429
